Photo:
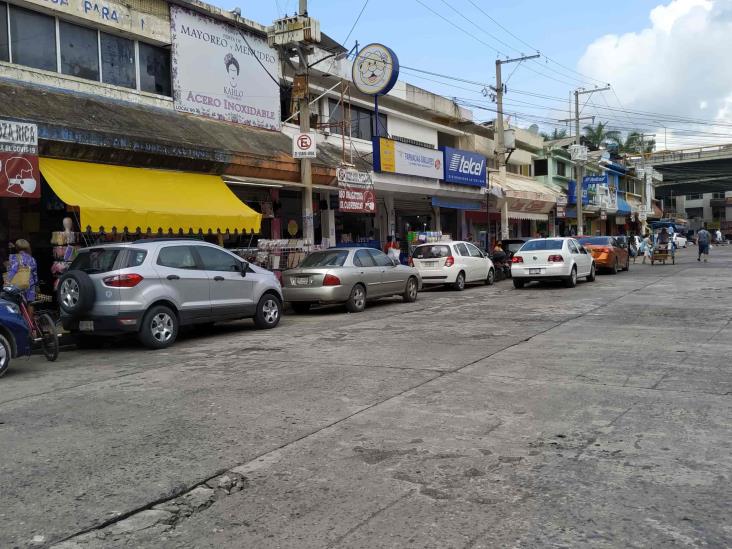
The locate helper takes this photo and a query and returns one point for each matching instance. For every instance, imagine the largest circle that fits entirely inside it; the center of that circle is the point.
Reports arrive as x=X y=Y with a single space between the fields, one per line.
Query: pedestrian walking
x=718 y=234
x=633 y=246
x=647 y=247
x=702 y=241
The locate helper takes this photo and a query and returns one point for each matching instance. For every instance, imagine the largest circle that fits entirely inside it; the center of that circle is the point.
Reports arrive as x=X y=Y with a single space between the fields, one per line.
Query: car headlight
x=13 y=308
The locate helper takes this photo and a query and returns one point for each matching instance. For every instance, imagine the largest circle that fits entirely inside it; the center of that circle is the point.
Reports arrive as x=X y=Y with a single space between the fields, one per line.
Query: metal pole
x=501 y=149
x=578 y=167
x=376 y=115
x=306 y=171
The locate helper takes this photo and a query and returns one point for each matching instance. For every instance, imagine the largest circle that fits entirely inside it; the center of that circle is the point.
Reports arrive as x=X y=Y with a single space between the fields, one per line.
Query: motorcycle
x=502 y=265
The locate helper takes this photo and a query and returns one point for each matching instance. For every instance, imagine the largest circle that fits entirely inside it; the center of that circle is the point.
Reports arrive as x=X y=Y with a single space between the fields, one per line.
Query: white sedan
x=457 y=263
x=552 y=259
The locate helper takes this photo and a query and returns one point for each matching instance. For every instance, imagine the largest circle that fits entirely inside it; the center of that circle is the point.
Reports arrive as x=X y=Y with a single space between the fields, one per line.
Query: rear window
x=539 y=245
x=431 y=252
x=513 y=247
x=95 y=260
x=325 y=259
x=596 y=241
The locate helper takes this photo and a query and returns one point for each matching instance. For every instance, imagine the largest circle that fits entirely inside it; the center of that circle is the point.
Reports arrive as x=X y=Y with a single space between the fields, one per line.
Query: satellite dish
x=534 y=128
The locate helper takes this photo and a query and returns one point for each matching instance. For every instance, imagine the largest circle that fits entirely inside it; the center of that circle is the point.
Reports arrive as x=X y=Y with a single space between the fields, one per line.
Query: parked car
x=152 y=287
x=679 y=240
x=457 y=263
x=552 y=259
x=348 y=275
x=14 y=335
x=608 y=252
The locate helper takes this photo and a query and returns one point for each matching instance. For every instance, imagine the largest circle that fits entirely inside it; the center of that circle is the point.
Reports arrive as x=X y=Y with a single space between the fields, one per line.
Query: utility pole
x=306 y=168
x=500 y=141
x=579 y=164
x=644 y=189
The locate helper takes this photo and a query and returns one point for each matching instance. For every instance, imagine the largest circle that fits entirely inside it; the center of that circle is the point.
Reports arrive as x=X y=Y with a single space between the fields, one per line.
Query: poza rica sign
x=19 y=174
x=464 y=167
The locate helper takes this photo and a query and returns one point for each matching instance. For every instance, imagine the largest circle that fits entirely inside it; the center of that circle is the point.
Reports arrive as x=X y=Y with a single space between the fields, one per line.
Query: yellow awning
x=121 y=197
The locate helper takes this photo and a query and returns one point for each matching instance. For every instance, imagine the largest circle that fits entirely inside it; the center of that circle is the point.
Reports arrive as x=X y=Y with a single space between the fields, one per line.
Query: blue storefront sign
x=464 y=167
x=591 y=180
x=572 y=193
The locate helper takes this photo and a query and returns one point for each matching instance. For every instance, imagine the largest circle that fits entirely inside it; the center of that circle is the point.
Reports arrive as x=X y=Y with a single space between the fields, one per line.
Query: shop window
x=33 y=39
x=4 y=51
x=154 y=69
x=362 y=121
x=118 y=61
x=217 y=260
x=79 y=51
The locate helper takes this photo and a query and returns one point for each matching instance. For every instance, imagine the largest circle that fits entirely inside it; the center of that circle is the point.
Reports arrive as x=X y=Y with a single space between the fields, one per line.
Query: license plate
x=429 y=263
x=301 y=281
x=534 y=271
x=86 y=325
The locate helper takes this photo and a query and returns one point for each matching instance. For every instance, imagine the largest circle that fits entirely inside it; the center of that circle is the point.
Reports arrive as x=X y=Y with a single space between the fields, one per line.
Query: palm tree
x=598 y=135
x=632 y=144
x=556 y=134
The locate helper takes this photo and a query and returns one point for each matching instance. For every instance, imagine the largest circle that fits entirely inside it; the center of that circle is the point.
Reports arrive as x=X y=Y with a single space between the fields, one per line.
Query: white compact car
x=457 y=263
x=679 y=240
x=552 y=259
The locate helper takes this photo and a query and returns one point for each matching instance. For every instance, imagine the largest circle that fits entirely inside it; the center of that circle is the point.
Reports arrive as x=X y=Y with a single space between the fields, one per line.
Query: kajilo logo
x=463 y=164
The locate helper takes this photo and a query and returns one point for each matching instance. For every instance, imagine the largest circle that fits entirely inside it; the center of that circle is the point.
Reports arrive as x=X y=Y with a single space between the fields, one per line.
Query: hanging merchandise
x=280 y=255
x=65 y=249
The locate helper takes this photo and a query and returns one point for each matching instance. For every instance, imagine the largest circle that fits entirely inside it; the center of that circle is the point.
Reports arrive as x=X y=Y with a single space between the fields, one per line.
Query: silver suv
x=152 y=287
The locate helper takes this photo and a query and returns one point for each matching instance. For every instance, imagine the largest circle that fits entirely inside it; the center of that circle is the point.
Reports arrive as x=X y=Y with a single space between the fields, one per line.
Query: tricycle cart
x=663 y=252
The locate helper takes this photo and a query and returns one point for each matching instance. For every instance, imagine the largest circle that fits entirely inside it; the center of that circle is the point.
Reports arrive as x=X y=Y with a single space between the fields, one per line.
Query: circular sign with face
x=375 y=70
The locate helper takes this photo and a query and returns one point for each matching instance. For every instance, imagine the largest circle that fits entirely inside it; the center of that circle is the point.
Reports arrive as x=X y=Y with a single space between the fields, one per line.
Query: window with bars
x=362 y=121
x=29 y=38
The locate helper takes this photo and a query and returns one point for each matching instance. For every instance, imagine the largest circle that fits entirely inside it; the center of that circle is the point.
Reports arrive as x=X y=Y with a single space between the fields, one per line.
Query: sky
x=666 y=60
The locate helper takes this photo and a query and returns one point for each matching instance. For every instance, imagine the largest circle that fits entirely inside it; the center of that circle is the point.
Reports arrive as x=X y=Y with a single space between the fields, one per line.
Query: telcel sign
x=464 y=167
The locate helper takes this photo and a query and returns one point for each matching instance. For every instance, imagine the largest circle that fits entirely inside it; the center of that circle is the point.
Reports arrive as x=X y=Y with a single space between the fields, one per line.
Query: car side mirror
x=244 y=266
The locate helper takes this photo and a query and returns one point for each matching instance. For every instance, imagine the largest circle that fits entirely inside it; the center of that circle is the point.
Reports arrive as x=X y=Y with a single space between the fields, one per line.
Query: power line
x=358 y=18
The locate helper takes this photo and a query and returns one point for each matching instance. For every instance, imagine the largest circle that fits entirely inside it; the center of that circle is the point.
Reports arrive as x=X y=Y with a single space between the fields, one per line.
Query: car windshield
x=513 y=247
x=542 y=244
x=95 y=260
x=431 y=252
x=334 y=258
x=596 y=241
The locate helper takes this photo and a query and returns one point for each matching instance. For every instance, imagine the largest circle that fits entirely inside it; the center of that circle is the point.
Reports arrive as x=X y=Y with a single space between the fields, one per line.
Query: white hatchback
x=552 y=259
x=456 y=263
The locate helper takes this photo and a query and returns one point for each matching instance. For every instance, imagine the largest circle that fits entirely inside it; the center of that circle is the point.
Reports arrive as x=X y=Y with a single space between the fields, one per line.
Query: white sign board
x=217 y=71
x=397 y=157
x=349 y=175
x=303 y=145
x=578 y=152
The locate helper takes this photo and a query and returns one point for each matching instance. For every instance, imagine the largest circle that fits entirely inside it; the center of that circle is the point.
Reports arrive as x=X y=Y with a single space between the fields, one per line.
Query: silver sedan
x=348 y=275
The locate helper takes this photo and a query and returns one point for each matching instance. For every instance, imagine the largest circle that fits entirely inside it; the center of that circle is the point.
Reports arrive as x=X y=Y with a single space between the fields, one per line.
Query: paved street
x=598 y=416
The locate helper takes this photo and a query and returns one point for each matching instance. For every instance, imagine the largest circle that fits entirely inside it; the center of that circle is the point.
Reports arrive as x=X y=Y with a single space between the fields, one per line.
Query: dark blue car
x=14 y=336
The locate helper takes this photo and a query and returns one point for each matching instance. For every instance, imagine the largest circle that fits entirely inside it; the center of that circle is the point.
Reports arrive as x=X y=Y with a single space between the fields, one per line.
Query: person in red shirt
x=390 y=243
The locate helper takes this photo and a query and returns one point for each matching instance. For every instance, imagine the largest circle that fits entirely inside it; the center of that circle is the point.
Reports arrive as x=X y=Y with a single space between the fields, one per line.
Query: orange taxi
x=608 y=253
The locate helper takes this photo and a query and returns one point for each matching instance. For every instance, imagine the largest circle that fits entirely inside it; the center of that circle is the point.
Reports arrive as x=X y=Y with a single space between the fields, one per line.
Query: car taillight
x=556 y=259
x=331 y=280
x=449 y=261
x=123 y=281
x=410 y=262
x=517 y=259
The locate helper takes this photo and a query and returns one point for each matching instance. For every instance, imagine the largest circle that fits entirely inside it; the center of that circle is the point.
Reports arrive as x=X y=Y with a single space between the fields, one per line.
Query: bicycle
x=41 y=327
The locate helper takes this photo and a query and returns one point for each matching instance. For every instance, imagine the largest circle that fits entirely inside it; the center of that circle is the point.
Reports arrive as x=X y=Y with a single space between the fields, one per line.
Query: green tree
x=598 y=135
x=556 y=134
x=632 y=144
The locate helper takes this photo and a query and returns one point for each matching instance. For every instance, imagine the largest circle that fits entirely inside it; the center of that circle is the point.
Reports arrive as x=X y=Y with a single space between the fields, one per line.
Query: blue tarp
x=623 y=206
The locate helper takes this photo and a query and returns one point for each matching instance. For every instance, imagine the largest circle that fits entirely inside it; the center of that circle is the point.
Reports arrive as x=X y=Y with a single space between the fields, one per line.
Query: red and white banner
x=355 y=191
x=19 y=173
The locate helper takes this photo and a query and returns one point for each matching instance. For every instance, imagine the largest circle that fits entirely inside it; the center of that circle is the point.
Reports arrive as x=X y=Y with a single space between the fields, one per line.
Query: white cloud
x=678 y=65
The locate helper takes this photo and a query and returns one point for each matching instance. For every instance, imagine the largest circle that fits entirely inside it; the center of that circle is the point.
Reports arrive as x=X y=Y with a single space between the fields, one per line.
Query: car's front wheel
x=357 y=300
x=268 y=313
x=159 y=328
x=410 y=290
x=491 y=278
x=6 y=353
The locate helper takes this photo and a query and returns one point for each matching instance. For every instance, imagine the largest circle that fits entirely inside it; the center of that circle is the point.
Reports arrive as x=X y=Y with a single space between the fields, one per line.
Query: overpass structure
x=690 y=171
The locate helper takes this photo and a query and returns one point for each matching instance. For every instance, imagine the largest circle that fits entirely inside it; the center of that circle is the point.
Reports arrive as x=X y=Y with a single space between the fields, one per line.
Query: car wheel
x=76 y=293
x=627 y=265
x=410 y=291
x=571 y=280
x=591 y=277
x=269 y=310
x=491 y=277
x=518 y=284
x=614 y=268
x=357 y=300
x=159 y=328
x=300 y=307
x=6 y=353
x=459 y=283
